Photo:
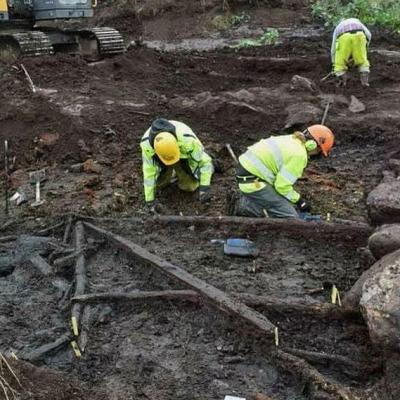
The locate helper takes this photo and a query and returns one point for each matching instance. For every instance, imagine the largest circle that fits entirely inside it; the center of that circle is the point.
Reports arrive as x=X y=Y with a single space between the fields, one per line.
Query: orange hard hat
x=323 y=136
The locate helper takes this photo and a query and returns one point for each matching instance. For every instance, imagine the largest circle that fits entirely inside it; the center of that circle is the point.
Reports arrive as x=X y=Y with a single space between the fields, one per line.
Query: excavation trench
x=173 y=339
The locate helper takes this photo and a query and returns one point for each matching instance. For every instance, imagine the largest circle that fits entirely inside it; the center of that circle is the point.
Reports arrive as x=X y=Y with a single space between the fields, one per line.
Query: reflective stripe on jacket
x=190 y=148
x=279 y=161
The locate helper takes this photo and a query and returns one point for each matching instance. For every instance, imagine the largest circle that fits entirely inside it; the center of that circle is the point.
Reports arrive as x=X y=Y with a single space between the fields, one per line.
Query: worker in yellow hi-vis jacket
x=268 y=170
x=349 y=46
x=171 y=147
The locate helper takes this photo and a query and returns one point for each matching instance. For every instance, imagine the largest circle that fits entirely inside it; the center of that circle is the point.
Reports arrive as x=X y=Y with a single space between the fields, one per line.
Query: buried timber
x=160 y=311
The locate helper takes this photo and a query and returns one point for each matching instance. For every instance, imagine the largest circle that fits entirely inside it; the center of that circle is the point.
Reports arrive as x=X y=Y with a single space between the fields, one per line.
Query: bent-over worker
x=171 y=147
x=349 y=47
x=268 y=170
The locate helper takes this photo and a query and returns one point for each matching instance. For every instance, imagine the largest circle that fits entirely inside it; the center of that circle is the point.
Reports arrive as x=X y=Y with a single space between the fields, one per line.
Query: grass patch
x=385 y=13
x=269 y=37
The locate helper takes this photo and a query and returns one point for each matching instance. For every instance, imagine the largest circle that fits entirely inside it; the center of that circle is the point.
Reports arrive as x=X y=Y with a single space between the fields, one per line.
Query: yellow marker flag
x=276 y=333
x=75 y=347
x=335 y=296
x=75 y=326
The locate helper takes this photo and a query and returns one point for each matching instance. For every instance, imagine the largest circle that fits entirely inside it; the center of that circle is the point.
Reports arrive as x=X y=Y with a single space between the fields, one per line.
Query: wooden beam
x=208 y=292
x=42 y=351
x=351 y=232
x=80 y=274
x=267 y=303
x=189 y=295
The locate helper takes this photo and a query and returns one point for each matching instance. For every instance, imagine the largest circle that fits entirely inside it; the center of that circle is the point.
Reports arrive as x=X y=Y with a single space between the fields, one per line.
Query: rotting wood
x=42 y=351
x=207 y=291
x=317 y=309
x=50 y=229
x=321 y=357
x=85 y=328
x=268 y=303
x=80 y=271
x=10 y=238
x=66 y=260
x=350 y=232
x=189 y=295
x=67 y=231
x=299 y=367
x=40 y=264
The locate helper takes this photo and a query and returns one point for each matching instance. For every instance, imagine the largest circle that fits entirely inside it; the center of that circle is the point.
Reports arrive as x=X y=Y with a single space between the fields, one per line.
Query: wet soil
x=99 y=111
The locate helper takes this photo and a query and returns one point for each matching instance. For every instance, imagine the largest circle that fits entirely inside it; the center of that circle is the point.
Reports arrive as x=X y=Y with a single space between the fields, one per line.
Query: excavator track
x=34 y=43
x=109 y=41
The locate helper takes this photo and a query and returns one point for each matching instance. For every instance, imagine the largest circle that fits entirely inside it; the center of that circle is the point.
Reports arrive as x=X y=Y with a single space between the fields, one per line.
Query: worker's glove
x=204 y=194
x=303 y=206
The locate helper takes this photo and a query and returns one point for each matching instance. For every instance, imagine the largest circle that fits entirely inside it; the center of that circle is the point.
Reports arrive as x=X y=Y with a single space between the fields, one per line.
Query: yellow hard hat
x=167 y=148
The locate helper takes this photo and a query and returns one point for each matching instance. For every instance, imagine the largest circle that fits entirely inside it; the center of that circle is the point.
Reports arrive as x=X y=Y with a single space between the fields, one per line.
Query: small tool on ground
x=37 y=177
x=325 y=112
x=232 y=154
x=31 y=84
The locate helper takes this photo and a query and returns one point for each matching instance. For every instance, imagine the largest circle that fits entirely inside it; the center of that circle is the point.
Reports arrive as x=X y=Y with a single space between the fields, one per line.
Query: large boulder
x=384 y=201
x=385 y=240
x=380 y=301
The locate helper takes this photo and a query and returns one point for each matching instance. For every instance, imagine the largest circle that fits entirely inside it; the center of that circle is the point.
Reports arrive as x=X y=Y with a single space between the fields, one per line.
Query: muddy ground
x=96 y=112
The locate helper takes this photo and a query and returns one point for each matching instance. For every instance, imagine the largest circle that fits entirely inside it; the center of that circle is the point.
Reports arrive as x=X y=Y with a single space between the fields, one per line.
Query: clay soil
x=96 y=112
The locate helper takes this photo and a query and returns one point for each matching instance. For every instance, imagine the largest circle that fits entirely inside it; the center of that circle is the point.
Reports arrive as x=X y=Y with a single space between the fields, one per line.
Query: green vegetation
x=384 y=13
x=270 y=36
x=228 y=21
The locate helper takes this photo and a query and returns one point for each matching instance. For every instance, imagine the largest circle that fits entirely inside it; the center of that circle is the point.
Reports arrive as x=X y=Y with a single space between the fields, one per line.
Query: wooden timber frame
x=208 y=292
x=291 y=363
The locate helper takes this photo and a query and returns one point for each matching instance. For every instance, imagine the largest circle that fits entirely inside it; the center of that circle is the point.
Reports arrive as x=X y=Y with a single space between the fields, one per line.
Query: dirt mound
x=43 y=383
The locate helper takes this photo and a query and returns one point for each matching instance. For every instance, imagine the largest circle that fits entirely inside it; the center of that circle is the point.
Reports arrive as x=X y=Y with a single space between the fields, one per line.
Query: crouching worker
x=349 y=47
x=268 y=170
x=170 y=148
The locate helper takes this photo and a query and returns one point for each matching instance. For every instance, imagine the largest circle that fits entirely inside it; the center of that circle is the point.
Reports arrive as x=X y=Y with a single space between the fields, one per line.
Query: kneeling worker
x=268 y=170
x=171 y=146
x=349 y=46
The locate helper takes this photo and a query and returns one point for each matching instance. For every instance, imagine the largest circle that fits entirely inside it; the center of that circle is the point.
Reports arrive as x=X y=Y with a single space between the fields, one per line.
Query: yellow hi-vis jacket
x=279 y=161
x=191 y=149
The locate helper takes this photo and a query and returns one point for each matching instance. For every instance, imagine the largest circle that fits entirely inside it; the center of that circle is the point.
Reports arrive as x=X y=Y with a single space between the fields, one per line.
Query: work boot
x=364 y=78
x=341 y=80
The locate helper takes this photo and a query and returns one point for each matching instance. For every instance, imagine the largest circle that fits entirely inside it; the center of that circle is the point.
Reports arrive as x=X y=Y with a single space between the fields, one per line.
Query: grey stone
x=301 y=114
x=380 y=302
x=356 y=105
x=385 y=240
x=300 y=83
x=384 y=201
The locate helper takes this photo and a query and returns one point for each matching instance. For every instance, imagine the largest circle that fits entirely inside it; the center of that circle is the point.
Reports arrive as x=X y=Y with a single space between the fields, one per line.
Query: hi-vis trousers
x=351 y=46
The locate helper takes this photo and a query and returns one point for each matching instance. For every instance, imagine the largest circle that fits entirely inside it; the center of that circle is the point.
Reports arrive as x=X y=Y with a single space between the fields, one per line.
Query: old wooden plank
x=207 y=291
x=351 y=232
x=139 y=295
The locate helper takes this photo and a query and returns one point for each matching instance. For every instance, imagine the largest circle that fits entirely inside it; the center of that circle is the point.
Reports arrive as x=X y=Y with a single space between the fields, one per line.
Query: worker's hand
x=303 y=206
x=204 y=194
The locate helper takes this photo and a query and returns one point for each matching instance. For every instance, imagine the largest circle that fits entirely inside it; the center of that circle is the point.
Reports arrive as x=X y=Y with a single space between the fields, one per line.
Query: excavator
x=42 y=27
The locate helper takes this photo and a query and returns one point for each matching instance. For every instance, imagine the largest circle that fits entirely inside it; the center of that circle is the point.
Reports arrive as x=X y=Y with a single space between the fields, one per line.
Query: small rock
x=92 y=166
x=355 y=105
x=394 y=165
x=384 y=201
x=385 y=240
x=48 y=139
x=301 y=83
x=301 y=114
x=76 y=168
x=83 y=147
